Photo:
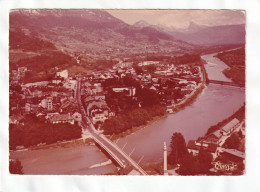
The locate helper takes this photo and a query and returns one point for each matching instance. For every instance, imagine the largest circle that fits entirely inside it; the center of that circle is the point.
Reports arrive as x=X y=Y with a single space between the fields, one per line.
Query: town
x=54 y=101
x=108 y=97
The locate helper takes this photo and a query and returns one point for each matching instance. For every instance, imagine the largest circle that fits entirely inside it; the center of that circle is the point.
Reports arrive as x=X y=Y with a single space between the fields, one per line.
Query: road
x=114 y=151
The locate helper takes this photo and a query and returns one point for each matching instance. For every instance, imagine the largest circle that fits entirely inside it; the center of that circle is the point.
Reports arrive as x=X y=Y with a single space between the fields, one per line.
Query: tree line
x=34 y=132
x=133 y=118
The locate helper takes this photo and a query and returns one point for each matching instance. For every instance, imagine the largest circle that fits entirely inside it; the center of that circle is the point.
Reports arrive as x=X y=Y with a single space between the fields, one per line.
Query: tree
x=137 y=69
x=15 y=167
x=151 y=68
x=189 y=165
x=178 y=149
x=233 y=141
x=205 y=159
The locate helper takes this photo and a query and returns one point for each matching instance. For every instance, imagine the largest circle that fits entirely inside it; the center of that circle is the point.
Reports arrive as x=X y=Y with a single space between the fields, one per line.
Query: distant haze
x=181 y=18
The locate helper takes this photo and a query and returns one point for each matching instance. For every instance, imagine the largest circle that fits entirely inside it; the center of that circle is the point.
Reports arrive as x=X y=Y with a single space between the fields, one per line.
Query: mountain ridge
x=66 y=28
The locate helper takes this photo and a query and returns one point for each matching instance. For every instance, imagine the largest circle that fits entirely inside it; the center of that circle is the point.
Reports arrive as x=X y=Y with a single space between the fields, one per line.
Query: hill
x=93 y=32
x=235 y=59
x=203 y=35
x=217 y=35
x=80 y=40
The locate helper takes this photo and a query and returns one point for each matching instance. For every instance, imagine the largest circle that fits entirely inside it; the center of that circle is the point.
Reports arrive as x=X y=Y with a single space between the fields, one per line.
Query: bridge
x=122 y=159
x=233 y=84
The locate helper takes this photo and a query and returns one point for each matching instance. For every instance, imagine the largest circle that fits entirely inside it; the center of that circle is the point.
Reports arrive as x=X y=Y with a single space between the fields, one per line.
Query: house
x=43 y=103
x=98 y=104
x=215 y=137
x=111 y=113
x=153 y=88
x=27 y=107
x=61 y=118
x=131 y=90
x=70 y=84
x=96 y=89
x=64 y=74
x=12 y=120
x=144 y=63
x=183 y=81
x=155 y=80
x=35 y=92
x=57 y=80
x=49 y=103
x=230 y=127
x=99 y=116
x=22 y=70
x=194 y=147
x=40 y=83
x=48 y=115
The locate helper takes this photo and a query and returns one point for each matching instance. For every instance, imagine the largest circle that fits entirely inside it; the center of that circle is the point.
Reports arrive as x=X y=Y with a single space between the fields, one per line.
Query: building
x=12 y=120
x=27 y=107
x=230 y=127
x=214 y=137
x=22 y=70
x=131 y=90
x=99 y=104
x=57 y=80
x=70 y=84
x=64 y=74
x=61 y=118
x=194 y=147
x=99 y=116
x=144 y=63
x=49 y=104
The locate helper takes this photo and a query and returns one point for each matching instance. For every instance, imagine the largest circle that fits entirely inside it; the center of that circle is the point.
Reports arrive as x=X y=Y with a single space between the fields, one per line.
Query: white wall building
x=64 y=74
x=132 y=90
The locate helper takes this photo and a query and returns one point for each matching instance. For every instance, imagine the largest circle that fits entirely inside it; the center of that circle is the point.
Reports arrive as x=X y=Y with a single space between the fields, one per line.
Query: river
x=80 y=160
x=214 y=104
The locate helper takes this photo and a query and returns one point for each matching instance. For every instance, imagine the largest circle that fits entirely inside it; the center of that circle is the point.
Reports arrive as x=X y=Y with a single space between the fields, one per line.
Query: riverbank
x=77 y=159
x=189 y=100
x=135 y=129
x=193 y=95
x=235 y=59
x=239 y=114
x=176 y=108
x=64 y=144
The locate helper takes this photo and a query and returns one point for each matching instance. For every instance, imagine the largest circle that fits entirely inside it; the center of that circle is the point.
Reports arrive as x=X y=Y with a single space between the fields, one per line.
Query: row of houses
x=45 y=97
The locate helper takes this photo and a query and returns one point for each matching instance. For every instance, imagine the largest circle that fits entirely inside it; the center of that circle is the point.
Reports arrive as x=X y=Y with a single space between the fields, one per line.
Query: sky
x=181 y=18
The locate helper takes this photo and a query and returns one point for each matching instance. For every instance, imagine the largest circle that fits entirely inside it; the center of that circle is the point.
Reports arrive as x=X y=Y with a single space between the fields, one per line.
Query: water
x=216 y=103
x=64 y=161
x=215 y=67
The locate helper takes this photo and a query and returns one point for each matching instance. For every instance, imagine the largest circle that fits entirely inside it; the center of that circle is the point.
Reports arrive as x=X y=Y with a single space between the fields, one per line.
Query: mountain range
x=93 y=32
x=96 y=34
x=203 y=35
